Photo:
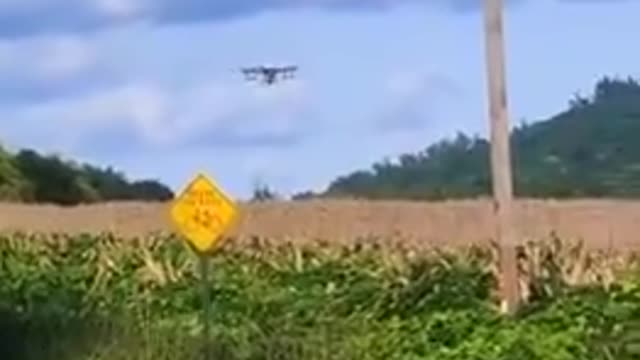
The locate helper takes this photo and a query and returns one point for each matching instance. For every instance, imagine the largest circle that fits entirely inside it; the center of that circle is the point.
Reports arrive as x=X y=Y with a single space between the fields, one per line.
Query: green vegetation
x=589 y=150
x=99 y=297
x=30 y=177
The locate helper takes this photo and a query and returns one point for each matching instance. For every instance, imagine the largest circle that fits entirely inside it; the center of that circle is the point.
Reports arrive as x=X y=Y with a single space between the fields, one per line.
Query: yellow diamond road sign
x=202 y=212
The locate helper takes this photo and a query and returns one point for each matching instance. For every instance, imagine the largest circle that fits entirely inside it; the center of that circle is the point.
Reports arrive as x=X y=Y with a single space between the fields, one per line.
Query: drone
x=269 y=74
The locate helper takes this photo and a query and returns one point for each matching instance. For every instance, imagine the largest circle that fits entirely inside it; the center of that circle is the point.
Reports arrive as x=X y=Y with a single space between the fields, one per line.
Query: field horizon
x=599 y=223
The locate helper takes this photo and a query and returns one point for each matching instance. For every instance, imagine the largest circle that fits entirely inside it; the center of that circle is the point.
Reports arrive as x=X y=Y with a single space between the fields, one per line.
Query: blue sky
x=153 y=88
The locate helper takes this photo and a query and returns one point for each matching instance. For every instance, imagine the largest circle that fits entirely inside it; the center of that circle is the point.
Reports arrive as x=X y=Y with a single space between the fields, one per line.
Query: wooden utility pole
x=500 y=155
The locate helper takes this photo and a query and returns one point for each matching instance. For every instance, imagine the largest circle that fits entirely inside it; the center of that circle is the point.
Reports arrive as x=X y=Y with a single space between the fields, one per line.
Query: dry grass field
x=601 y=224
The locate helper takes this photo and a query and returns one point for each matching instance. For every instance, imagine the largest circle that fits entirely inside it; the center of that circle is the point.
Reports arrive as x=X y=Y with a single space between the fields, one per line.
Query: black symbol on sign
x=206 y=219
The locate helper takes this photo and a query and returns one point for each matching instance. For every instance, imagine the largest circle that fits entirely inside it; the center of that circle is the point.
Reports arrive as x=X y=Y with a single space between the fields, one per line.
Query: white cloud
x=165 y=116
x=64 y=57
x=414 y=99
x=47 y=58
x=46 y=67
x=122 y=8
x=27 y=17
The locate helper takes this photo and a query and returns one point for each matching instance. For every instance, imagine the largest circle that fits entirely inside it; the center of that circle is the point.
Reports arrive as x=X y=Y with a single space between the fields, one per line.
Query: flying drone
x=269 y=74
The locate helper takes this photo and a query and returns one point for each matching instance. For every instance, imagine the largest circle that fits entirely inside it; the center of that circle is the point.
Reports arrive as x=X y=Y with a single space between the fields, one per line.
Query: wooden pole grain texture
x=501 y=173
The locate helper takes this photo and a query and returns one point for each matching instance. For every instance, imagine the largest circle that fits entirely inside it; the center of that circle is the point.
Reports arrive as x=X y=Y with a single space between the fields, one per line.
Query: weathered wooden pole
x=501 y=173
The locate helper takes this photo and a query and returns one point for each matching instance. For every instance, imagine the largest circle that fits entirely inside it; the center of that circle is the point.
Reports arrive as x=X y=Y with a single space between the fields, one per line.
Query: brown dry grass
x=601 y=224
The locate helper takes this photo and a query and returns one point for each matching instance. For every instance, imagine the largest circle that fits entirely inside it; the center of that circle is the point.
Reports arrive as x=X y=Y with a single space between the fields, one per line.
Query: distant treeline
x=592 y=149
x=28 y=176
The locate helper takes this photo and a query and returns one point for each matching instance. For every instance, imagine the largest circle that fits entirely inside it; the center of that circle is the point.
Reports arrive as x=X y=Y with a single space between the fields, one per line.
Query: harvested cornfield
x=601 y=224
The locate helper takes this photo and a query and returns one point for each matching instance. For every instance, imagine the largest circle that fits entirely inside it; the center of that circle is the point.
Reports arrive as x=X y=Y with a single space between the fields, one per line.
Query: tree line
x=31 y=177
x=589 y=150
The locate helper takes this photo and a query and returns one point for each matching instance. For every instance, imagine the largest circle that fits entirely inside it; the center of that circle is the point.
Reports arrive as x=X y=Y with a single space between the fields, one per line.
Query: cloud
x=209 y=114
x=40 y=68
x=20 y=18
x=414 y=98
x=28 y=17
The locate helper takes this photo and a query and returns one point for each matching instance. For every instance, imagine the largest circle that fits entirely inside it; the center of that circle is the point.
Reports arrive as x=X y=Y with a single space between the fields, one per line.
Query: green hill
x=28 y=176
x=590 y=150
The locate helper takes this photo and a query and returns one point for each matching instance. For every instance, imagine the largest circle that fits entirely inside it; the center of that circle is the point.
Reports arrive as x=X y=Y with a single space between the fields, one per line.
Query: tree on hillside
x=113 y=185
x=263 y=192
x=53 y=180
x=150 y=190
x=305 y=195
x=449 y=168
x=591 y=149
x=31 y=177
x=13 y=185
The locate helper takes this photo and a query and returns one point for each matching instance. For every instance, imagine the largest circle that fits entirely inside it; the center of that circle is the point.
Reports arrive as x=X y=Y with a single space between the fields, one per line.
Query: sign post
x=206 y=303
x=202 y=212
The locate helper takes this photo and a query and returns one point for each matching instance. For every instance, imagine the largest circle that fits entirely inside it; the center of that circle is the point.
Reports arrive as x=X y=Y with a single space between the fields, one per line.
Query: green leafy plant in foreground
x=101 y=297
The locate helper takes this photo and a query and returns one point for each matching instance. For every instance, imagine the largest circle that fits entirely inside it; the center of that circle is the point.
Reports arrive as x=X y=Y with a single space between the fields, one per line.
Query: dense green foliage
x=30 y=177
x=589 y=150
x=107 y=298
